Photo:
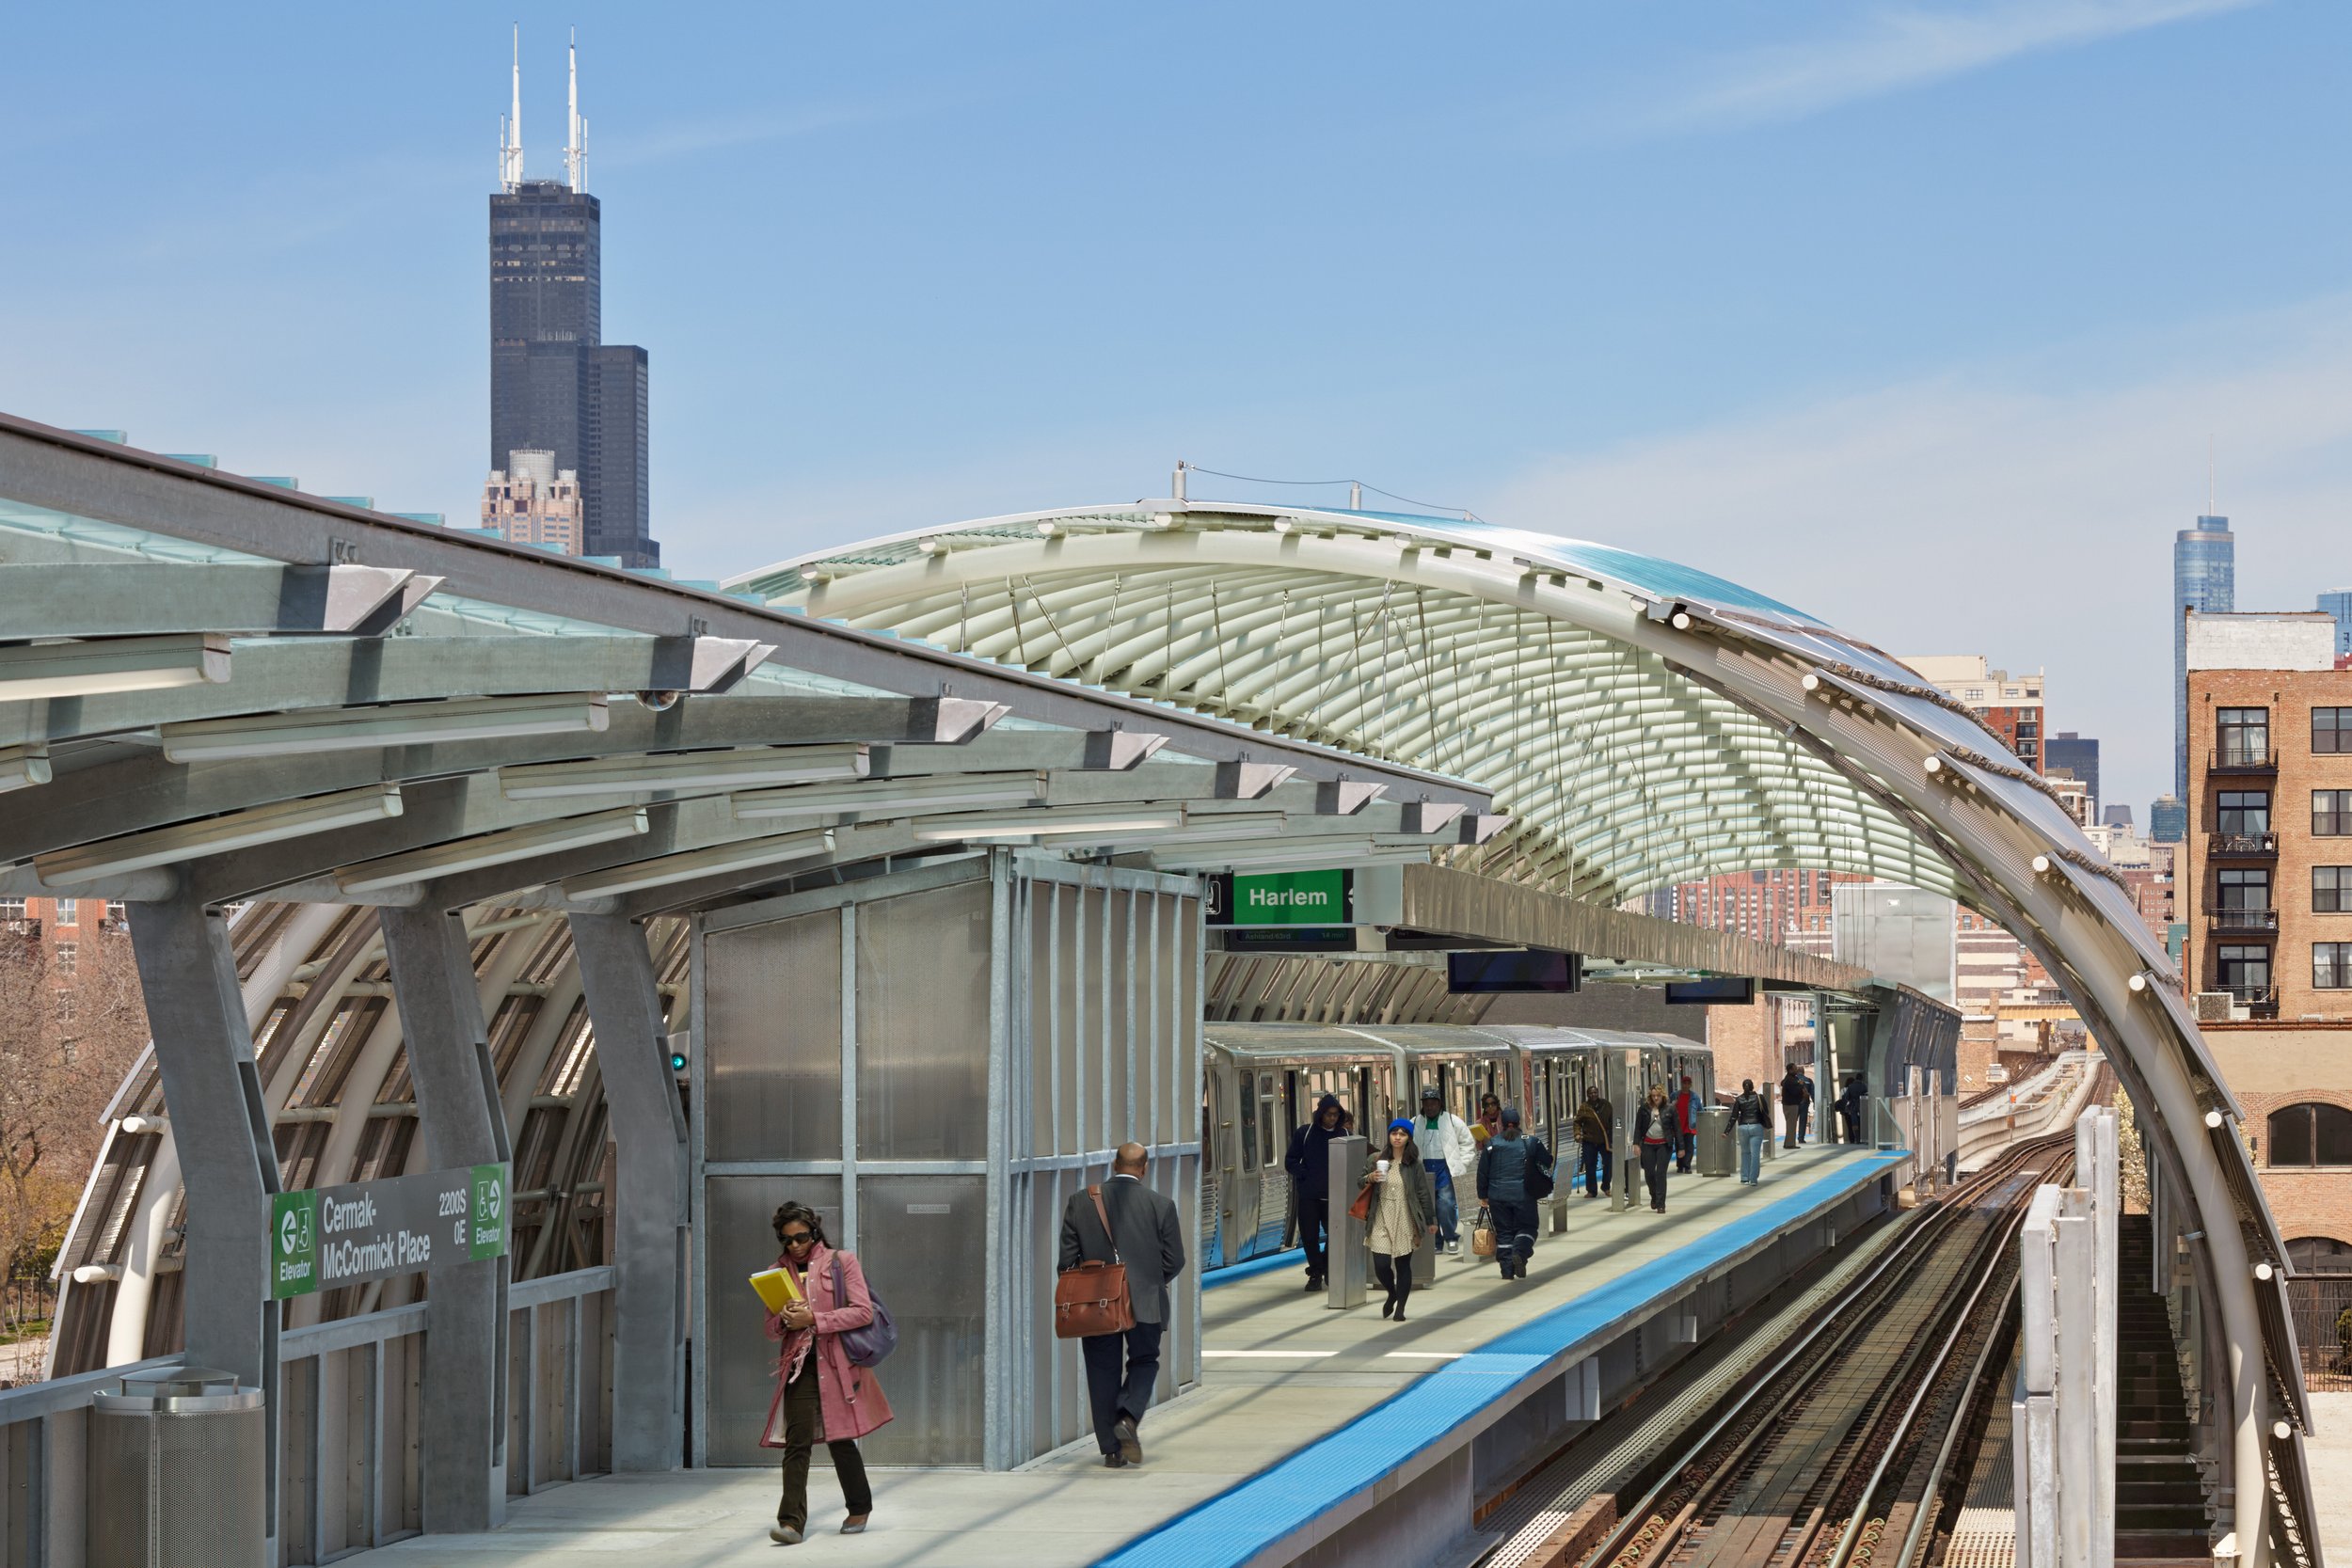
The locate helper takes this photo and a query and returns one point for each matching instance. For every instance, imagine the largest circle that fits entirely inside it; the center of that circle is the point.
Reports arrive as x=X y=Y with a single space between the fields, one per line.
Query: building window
x=2331 y=813
x=2331 y=966
x=69 y=912
x=65 y=1010
x=2311 y=1135
x=2331 y=729
x=2244 y=971
x=2245 y=811
x=2245 y=889
x=11 y=909
x=68 y=952
x=2245 y=735
x=2331 y=889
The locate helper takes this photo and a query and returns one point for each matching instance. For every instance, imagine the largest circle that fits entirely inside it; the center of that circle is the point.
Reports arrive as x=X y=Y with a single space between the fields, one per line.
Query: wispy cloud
x=689 y=138
x=1899 y=47
x=2021 y=511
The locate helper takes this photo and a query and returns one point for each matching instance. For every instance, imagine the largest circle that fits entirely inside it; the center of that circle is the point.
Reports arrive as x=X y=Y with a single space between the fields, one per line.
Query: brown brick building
x=2266 y=891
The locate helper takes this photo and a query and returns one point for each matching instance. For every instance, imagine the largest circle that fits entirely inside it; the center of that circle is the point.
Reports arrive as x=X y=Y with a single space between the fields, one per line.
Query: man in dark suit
x=1146 y=1235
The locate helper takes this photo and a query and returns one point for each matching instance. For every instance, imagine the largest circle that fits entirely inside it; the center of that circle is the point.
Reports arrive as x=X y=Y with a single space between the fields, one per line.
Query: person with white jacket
x=1449 y=1156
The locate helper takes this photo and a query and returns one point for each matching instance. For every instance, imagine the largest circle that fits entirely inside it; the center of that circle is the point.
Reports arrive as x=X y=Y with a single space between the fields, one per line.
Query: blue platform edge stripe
x=1228 y=1529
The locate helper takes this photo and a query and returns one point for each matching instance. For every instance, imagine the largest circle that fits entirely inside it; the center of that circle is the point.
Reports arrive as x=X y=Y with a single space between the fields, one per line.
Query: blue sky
x=1920 y=316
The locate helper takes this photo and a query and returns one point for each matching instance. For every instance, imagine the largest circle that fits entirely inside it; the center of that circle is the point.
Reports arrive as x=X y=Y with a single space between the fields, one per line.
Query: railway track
x=1832 y=1449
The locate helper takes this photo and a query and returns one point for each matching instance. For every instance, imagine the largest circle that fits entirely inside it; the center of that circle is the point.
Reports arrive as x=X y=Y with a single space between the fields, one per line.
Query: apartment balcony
x=2238 y=847
x=2242 y=759
x=2258 y=1001
x=2242 y=920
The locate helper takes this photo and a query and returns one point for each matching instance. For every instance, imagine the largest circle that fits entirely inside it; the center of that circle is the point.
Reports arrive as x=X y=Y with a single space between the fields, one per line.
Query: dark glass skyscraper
x=555 y=384
x=2205 y=578
x=2076 y=755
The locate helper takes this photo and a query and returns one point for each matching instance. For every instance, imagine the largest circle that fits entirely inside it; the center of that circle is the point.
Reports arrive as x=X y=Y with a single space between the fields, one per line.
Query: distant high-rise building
x=2010 y=706
x=2168 y=820
x=555 y=385
x=2079 y=757
x=2337 y=603
x=532 y=502
x=2205 y=578
x=2117 y=815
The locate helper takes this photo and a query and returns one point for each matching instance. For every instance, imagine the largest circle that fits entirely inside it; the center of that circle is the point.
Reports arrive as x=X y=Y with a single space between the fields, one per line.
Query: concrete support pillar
x=462 y=1468
x=212 y=1093
x=649 y=1204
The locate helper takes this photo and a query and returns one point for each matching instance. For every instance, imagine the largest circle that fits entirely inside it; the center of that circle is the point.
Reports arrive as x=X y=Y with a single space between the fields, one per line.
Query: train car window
x=1265 y=1117
x=1248 y=1132
x=1210 y=1149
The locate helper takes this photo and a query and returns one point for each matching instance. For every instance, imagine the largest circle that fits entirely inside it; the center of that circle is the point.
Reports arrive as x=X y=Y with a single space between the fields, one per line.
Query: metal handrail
x=2242 y=759
x=53 y=1395
x=2242 y=843
x=2243 y=920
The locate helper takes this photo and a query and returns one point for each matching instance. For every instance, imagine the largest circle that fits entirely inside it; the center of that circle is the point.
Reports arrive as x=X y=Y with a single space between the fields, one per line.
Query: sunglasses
x=799 y=1238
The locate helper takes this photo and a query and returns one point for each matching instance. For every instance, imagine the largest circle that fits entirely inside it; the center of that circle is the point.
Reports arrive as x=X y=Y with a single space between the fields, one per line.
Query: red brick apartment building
x=2267 y=893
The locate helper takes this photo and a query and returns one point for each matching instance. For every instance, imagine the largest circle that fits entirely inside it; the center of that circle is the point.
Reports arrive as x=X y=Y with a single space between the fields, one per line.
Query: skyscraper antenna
x=576 y=148
x=511 y=149
x=2209 y=491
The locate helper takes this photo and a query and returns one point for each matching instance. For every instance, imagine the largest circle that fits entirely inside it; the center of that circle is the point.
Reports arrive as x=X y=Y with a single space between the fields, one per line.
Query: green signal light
x=677 y=1061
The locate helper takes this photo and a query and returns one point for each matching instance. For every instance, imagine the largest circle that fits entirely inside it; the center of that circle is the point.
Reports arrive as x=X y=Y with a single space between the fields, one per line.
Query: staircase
x=2159 y=1495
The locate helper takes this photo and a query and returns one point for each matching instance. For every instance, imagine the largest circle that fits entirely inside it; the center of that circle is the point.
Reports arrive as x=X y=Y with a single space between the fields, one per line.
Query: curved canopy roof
x=1488 y=653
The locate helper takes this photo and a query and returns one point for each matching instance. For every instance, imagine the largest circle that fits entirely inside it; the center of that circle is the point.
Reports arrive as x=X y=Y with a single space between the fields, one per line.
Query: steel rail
x=1839 y=1322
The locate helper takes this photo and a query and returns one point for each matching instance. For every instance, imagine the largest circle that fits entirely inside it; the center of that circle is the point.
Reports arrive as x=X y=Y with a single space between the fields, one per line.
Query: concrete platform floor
x=2329 y=1451
x=1279 y=1370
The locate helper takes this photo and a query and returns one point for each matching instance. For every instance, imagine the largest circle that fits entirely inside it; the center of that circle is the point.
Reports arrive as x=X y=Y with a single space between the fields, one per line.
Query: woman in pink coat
x=819 y=1393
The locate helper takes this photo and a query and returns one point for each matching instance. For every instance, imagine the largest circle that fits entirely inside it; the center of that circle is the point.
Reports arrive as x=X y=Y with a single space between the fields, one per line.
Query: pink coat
x=850 y=1397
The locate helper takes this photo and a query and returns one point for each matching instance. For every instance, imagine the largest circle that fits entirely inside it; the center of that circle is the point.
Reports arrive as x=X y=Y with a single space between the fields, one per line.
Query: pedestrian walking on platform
x=1686 y=1108
x=1795 y=1101
x=1592 y=1142
x=1145 y=1235
x=1450 y=1155
x=1308 y=1162
x=1654 y=1132
x=1514 y=1175
x=1750 y=1124
x=821 y=1394
x=1403 y=1210
x=1850 y=1108
x=1490 y=1122
x=1812 y=1099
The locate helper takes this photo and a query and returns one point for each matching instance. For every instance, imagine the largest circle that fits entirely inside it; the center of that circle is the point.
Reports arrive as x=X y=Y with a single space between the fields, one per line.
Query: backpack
x=866 y=1346
x=1539 y=1177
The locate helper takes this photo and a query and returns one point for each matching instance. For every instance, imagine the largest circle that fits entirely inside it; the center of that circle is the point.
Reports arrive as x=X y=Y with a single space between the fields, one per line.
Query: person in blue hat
x=1403 y=1209
x=1514 y=1176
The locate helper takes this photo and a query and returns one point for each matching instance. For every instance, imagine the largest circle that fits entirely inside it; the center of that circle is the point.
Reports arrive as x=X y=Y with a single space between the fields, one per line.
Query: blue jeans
x=1752 y=1153
x=1449 y=1212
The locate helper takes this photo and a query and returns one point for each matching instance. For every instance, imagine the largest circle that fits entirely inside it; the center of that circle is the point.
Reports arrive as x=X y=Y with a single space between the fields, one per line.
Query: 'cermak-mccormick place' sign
x=1284 y=898
x=331 y=1236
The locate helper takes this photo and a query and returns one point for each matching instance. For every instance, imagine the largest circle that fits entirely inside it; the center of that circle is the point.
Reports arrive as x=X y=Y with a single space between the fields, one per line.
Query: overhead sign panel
x=1282 y=899
x=329 y=1236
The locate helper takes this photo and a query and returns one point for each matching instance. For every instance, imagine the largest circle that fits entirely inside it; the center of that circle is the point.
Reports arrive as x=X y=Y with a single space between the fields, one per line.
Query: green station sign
x=329 y=1236
x=1282 y=899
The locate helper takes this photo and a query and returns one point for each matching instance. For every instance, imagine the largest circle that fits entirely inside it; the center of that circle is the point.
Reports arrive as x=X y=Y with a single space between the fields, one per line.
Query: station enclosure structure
x=923 y=814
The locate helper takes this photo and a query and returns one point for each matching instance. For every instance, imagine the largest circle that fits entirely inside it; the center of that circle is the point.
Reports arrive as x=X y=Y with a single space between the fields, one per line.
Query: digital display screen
x=1519 y=969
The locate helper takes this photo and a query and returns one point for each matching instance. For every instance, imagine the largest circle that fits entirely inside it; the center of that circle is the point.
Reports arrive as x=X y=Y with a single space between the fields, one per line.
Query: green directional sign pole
x=488 y=1239
x=294 y=1244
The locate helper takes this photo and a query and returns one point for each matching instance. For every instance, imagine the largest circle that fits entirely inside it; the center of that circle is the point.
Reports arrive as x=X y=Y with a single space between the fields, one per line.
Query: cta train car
x=1263 y=1079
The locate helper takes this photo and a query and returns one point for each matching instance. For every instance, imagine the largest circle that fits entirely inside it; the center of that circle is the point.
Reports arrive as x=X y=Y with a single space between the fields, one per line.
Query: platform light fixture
x=873 y=798
x=745 y=766
x=218 y=835
x=662 y=870
x=35 y=672
x=1029 y=824
x=275 y=735
x=497 y=849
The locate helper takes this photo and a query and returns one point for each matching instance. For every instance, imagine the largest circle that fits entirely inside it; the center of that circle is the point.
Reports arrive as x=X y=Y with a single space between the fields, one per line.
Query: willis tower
x=555 y=384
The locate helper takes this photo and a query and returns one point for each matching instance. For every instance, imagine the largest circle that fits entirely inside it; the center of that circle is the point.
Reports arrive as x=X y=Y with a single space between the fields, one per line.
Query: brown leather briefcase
x=1091 y=1298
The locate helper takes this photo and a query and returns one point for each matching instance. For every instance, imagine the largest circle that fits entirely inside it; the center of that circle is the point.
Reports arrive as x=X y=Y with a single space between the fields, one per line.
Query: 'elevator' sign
x=332 y=1236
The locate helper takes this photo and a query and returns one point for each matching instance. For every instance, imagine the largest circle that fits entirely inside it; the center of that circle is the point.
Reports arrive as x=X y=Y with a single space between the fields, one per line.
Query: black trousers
x=1315 y=1220
x=1596 y=1168
x=1115 y=1390
x=1515 y=1223
x=803 y=1418
x=1654 y=1158
x=1395 y=1276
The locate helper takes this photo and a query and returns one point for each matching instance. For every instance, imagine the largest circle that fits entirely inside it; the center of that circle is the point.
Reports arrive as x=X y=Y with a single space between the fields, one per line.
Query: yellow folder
x=775 y=1288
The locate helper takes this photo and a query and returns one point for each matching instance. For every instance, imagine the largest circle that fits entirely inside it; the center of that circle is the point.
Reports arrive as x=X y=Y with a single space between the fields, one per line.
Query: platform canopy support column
x=650 y=1209
x=462 y=1429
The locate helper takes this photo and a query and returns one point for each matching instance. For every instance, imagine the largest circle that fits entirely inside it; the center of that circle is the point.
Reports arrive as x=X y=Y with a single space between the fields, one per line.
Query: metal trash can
x=1716 y=1154
x=177 y=1472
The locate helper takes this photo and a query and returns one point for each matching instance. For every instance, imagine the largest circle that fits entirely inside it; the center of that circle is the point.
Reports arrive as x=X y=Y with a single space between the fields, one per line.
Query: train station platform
x=1306 y=1420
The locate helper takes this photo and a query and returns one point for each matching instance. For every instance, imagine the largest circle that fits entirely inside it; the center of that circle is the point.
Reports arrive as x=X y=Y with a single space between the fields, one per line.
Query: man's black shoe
x=1130 y=1446
x=1114 y=1461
